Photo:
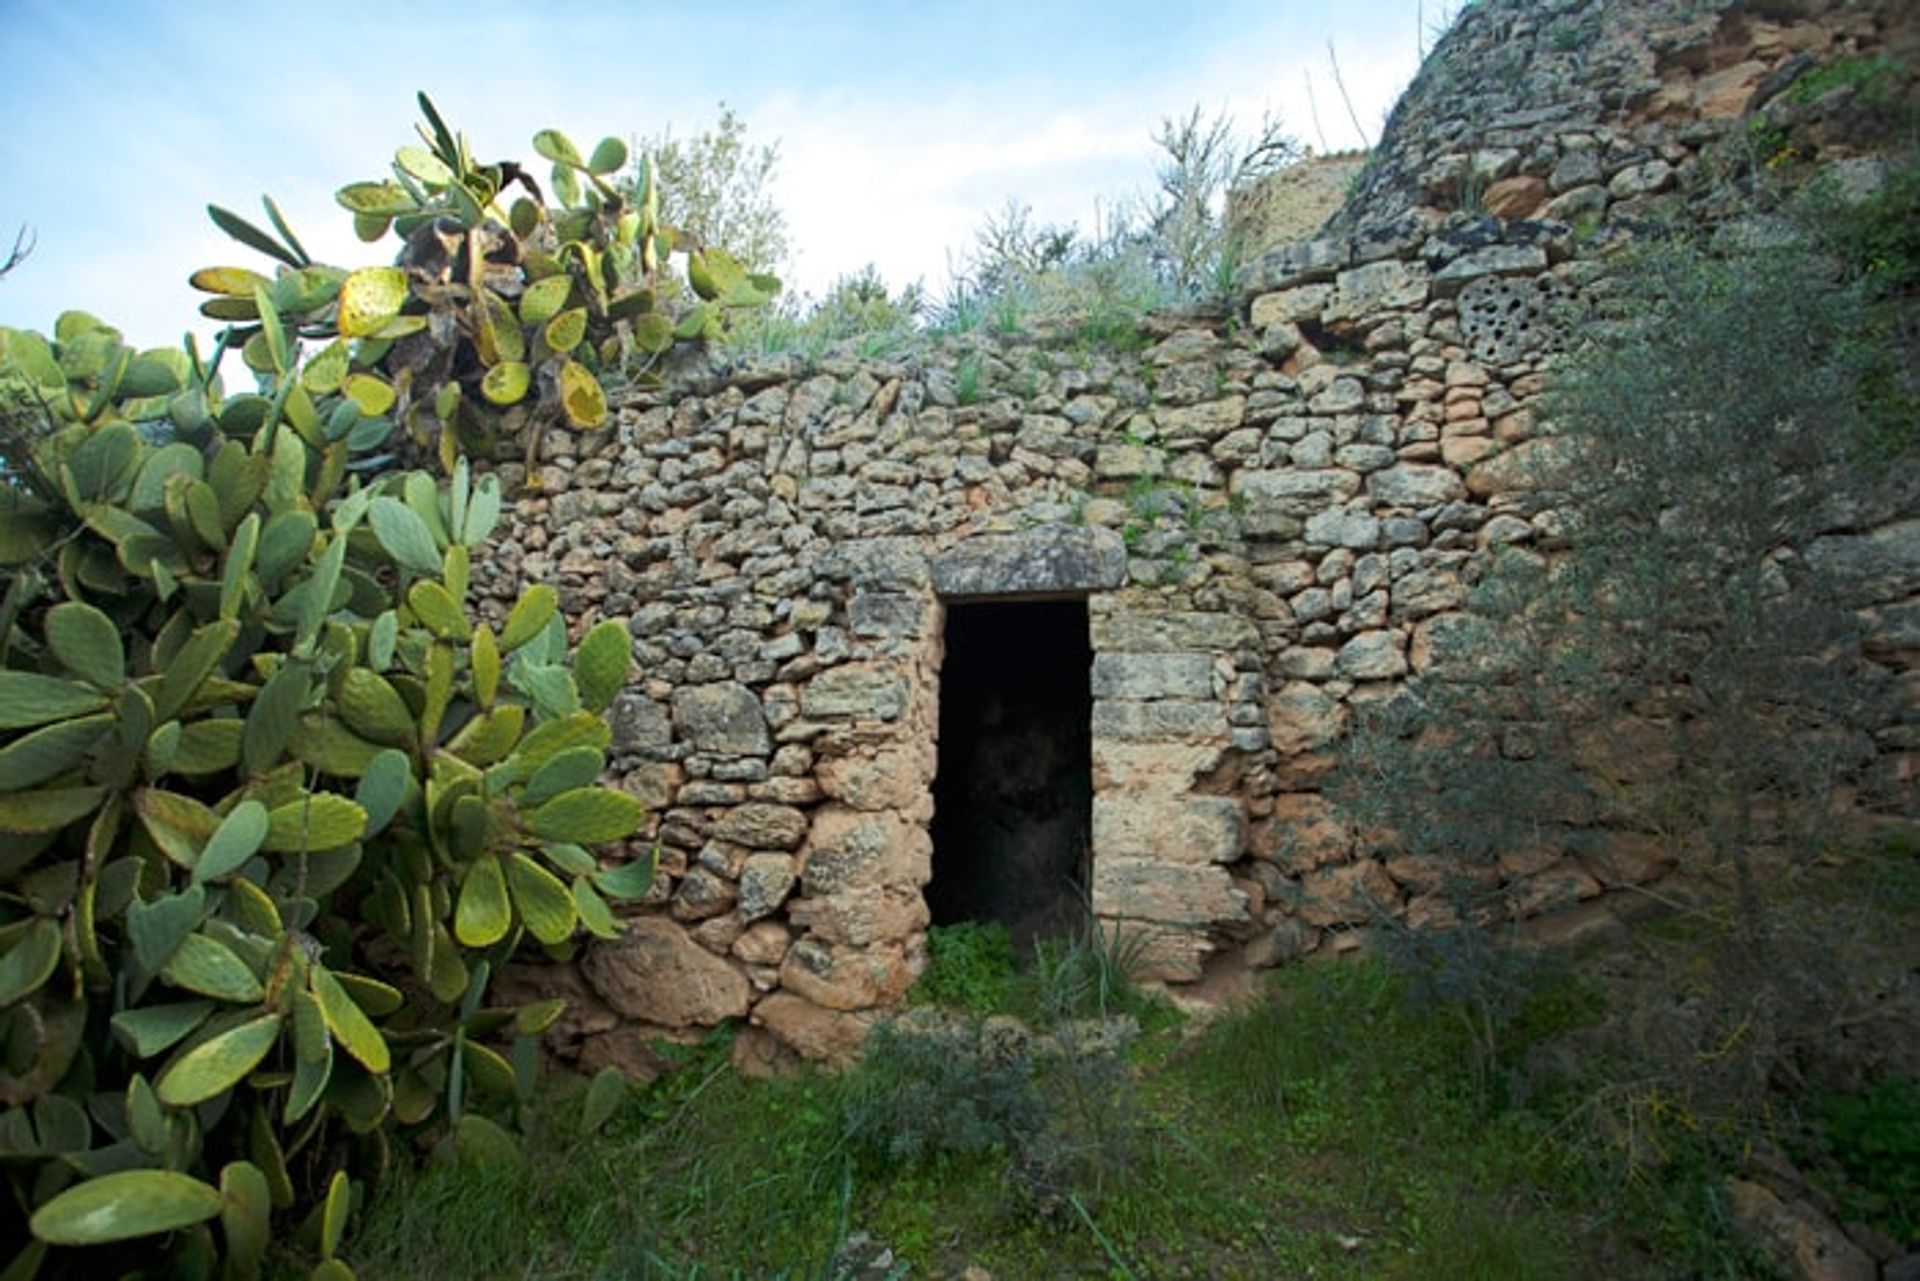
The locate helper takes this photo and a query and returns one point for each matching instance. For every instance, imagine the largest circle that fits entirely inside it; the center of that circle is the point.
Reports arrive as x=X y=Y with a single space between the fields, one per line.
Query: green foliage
x=967 y=376
x=1874 y=79
x=1334 y=1129
x=273 y=806
x=1091 y=977
x=1877 y=236
x=495 y=318
x=939 y=1091
x=858 y=310
x=970 y=968
x=1169 y=249
x=1873 y=1137
x=715 y=186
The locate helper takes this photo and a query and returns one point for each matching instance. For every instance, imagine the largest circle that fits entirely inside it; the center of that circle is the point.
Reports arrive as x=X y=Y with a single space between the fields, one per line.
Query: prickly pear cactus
x=500 y=315
x=273 y=803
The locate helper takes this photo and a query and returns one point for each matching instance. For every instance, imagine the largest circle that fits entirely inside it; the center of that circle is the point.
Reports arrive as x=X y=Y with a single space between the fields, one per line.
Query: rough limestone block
x=765 y=882
x=1516 y=197
x=886 y=564
x=1162 y=767
x=1290 y=306
x=1342 y=396
x=1057 y=559
x=1177 y=720
x=887 y=615
x=1416 y=485
x=848 y=849
x=817 y=1033
x=856 y=690
x=1373 y=656
x=1277 y=502
x=724 y=718
x=760 y=826
x=1168 y=827
x=1206 y=420
x=841 y=977
x=655 y=973
x=1302 y=717
x=1122 y=675
x=1118 y=460
x=1359 y=531
x=1297 y=264
x=894 y=777
x=1169 y=893
x=1386 y=285
x=639 y=723
x=861 y=917
x=1494 y=260
x=1171 y=630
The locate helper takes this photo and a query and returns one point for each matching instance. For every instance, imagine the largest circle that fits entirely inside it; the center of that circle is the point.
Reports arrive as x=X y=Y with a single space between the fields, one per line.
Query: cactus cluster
x=496 y=318
x=273 y=804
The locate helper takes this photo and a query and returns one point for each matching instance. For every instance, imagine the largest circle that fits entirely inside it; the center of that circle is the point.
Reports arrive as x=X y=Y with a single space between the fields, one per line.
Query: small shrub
x=935 y=1089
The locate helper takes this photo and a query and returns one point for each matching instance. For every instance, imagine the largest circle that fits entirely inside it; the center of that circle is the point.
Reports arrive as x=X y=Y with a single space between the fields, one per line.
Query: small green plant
x=1091 y=976
x=970 y=967
x=967 y=379
x=1767 y=143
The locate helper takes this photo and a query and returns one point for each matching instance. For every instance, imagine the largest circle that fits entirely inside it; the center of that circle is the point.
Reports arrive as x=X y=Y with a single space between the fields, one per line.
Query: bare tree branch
x=1313 y=110
x=1341 y=85
x=24 y=241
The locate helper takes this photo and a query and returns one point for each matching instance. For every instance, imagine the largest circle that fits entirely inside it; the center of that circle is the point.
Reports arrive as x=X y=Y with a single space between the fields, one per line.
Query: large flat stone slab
x=1055 y=559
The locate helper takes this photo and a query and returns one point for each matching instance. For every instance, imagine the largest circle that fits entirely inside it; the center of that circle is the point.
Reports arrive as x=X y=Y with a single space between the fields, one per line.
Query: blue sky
x=901 y=125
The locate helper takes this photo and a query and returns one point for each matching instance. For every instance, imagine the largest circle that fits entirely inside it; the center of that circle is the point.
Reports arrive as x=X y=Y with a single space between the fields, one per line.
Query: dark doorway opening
x=1013 y=799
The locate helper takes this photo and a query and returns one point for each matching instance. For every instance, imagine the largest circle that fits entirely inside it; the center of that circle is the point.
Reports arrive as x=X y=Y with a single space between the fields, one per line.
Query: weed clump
x=970 y=967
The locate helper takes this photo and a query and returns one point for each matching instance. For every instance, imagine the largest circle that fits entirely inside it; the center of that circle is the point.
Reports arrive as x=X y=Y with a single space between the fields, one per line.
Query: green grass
x=1349 y=1124
x=1333 y=1130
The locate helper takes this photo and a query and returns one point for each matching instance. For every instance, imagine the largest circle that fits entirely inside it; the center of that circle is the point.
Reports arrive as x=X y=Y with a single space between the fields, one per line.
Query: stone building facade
x=1264 y=518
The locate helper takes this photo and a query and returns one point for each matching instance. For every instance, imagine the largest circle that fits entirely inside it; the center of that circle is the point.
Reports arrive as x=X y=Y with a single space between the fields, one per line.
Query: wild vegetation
x=273 y=805
x=1343 y=1127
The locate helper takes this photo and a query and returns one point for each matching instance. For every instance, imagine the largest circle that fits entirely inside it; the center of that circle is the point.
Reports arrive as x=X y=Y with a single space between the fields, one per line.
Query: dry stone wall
x=1274 y=516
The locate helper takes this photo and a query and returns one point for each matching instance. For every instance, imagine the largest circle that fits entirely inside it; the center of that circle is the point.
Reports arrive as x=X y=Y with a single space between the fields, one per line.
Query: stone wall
x=1272 y=515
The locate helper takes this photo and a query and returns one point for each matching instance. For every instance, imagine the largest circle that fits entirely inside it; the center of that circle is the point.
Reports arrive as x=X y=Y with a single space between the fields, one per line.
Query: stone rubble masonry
x=1271 y=516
